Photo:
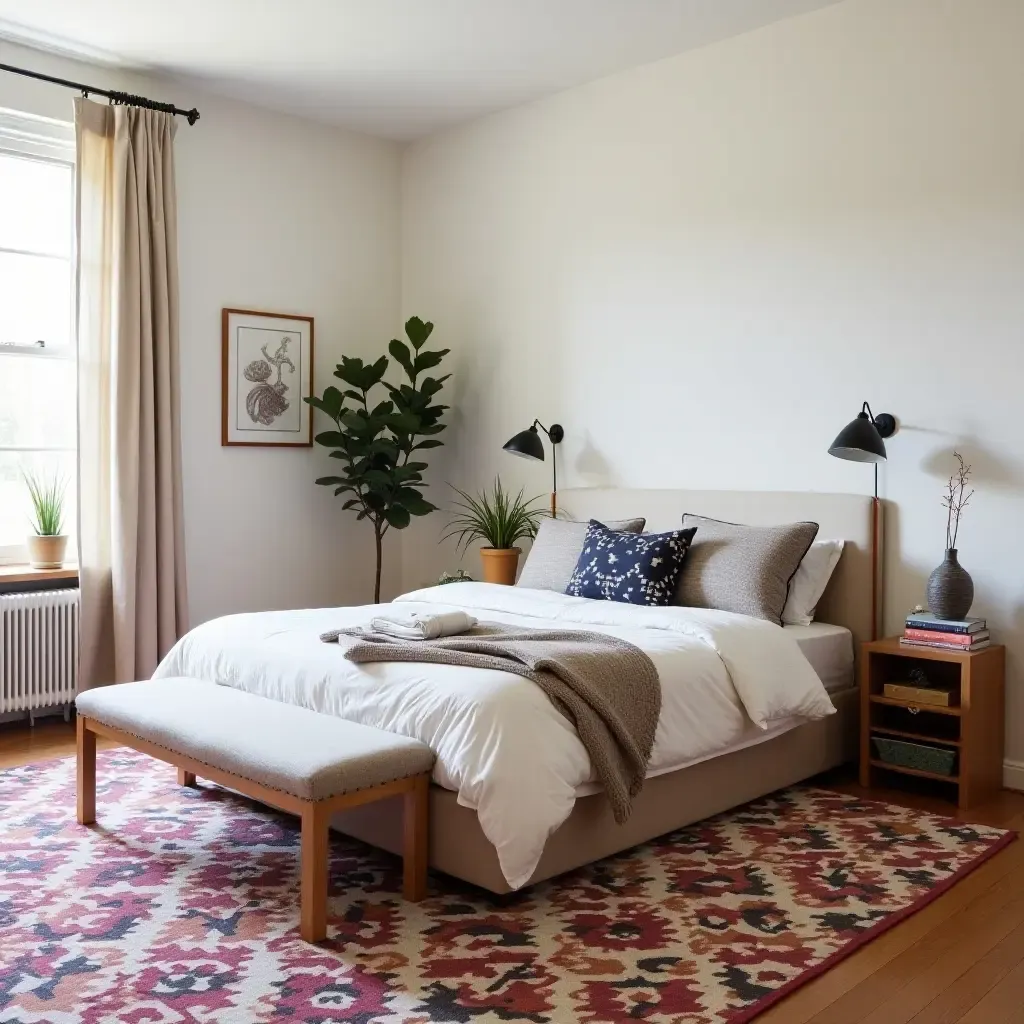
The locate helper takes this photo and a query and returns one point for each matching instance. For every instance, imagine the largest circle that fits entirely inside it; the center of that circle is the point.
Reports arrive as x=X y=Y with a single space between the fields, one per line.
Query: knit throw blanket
x=606 y=687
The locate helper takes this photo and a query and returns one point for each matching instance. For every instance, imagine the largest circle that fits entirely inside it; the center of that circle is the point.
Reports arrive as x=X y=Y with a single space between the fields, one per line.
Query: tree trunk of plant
x=376 y=586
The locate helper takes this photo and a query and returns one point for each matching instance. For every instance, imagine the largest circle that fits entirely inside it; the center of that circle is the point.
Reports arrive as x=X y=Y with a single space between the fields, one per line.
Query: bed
x=688 y=780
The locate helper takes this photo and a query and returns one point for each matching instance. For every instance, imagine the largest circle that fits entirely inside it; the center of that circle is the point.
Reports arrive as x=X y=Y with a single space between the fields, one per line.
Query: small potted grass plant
x=499 y=519
x=48 y=543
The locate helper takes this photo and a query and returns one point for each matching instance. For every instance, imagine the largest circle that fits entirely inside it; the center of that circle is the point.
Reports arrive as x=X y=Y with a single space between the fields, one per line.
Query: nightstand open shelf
x=932 y=709
x=917 y=772
x=913 y=737
x=971 y=727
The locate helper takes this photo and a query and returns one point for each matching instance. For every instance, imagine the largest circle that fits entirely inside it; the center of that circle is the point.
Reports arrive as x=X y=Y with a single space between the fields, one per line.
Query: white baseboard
x=1013 y=775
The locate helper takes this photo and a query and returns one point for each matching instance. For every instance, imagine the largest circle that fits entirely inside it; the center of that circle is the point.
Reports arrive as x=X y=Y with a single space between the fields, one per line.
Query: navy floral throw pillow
x=635 y=568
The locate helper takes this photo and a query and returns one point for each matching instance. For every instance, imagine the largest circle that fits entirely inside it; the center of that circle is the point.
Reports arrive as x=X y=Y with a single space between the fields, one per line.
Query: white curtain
x=131 y=543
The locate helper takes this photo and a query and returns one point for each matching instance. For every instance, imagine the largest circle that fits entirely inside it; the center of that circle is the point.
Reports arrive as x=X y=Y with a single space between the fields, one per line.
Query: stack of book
x=926 y=630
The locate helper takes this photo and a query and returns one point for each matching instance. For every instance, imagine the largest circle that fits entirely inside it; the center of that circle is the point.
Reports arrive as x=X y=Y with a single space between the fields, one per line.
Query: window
x=37 y=354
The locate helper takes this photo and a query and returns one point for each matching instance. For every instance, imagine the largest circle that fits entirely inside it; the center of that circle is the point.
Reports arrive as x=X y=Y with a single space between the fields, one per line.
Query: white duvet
x=500 y=743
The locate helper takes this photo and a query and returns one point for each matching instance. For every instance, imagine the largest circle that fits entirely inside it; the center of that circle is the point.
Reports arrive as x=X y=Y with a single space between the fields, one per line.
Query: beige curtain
x=131 y=544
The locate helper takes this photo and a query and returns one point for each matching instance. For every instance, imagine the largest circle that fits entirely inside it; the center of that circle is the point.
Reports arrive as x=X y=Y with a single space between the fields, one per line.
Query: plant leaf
x=417 y=332
x=411 y=499
x=332 y=402
x=403 y=423
x=331 y=439
x=351 y=371
x=402 y=355
x=385 y=448
x=358 y=422
x=379 y=480
x=318 y=403
x=375 y=373
x=425 y=360
x=431 y=385
x=397 y=516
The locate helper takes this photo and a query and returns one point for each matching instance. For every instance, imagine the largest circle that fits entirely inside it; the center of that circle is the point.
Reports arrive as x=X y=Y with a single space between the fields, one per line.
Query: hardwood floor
x=49 y=739
x=961 y=959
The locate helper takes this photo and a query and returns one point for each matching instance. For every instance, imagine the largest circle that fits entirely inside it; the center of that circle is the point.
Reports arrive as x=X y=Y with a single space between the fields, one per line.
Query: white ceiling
x=397 y=68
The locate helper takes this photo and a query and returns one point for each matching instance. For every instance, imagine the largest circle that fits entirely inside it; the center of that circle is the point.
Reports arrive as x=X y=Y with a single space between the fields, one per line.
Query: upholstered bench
x=288 y=757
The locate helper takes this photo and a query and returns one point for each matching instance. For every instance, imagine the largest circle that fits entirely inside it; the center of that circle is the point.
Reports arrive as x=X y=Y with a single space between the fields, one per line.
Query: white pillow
x=810 y=580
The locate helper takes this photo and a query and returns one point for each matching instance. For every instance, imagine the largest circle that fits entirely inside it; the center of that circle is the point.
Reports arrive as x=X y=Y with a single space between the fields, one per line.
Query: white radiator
x=38 y=649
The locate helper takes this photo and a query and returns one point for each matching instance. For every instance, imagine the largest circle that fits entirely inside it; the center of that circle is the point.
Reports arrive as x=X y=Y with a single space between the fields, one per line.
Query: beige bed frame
x=457 y=843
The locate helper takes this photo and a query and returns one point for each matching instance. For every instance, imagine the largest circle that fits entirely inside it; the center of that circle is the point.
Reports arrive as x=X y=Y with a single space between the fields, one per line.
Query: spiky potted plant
x=48 y=543
x=499 y=519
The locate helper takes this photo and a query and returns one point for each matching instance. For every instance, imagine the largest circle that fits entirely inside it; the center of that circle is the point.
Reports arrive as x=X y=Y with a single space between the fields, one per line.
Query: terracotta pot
x=500 y=564
x=46 y=552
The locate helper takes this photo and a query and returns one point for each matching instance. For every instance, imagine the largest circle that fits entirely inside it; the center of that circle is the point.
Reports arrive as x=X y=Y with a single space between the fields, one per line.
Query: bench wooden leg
x=315 y=866
x=416 y=819
x=86 y=775
x=186 y=778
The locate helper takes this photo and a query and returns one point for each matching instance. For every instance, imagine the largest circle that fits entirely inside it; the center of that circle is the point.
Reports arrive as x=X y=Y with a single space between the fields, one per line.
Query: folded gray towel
x=419 y=626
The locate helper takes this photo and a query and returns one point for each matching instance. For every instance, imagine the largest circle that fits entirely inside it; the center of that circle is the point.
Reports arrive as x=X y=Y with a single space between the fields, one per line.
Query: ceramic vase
x=950 y=589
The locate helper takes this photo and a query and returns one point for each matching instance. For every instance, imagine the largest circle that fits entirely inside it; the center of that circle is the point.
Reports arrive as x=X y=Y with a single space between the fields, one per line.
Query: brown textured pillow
x=743 y=569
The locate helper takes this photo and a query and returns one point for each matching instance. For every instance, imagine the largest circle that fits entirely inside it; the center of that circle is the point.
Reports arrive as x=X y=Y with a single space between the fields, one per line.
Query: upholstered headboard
x=848 y=599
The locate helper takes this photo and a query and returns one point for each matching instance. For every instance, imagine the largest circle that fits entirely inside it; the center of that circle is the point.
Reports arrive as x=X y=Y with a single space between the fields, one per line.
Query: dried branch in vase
x=956 y=499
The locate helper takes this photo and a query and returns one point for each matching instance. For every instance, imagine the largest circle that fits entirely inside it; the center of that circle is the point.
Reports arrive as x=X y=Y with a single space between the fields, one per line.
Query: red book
x=946 y=639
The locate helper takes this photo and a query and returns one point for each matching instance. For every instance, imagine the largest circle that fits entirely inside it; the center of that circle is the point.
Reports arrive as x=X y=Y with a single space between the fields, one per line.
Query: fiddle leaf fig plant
x=376 y=441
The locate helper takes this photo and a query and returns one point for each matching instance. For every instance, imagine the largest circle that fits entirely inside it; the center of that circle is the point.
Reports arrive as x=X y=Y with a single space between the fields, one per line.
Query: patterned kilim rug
x=182 y=905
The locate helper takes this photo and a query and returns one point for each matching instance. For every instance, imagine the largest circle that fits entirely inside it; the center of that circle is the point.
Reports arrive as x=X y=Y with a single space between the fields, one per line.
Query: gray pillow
x=744 y=569
x=556 y=550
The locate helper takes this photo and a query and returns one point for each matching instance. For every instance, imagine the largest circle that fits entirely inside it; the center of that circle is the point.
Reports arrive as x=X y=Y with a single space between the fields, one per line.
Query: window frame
x=43 y=140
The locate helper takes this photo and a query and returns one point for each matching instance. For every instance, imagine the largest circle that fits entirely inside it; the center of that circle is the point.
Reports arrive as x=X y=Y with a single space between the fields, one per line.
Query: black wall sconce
x=528 y=445
x=863 y=440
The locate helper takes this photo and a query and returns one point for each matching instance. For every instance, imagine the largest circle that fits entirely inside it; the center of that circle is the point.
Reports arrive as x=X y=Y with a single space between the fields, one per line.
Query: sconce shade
x=527 y=444
x=859 y=441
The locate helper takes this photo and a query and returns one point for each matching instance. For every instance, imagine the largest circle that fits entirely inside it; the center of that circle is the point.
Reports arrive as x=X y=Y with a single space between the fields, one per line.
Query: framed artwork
x=267 y=367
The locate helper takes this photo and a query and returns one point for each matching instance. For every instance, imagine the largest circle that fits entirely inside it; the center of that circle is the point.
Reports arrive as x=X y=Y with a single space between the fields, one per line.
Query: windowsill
x=24 y=573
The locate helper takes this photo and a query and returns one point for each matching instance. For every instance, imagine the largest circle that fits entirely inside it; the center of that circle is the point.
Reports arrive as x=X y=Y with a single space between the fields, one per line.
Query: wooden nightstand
x=973 y=728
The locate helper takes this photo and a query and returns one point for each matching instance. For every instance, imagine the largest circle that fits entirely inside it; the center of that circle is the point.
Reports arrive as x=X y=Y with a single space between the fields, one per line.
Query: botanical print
x=183 y=905
x=266 y=402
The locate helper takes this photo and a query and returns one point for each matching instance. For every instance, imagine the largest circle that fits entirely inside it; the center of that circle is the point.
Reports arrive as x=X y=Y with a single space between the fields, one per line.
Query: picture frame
x=266 y=372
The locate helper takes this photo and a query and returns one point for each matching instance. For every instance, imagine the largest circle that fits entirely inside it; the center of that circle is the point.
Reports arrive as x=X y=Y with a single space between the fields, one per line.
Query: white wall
x=702 y=267
x=280 y=214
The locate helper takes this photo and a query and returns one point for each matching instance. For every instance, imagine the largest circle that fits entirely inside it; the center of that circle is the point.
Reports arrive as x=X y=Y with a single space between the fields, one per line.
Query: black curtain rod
x=123 y=98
